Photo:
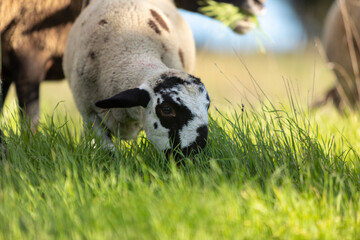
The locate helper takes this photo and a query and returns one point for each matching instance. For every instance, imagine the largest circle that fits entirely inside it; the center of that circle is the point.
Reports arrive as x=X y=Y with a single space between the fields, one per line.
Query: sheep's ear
x=129 y=98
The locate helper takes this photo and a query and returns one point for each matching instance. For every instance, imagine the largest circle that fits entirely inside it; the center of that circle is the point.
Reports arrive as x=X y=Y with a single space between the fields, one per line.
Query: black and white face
x=178 y=114
x=176 y=111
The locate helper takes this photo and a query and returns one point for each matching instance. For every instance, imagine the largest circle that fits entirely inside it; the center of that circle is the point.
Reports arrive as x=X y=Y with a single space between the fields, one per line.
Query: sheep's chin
x=158 y=137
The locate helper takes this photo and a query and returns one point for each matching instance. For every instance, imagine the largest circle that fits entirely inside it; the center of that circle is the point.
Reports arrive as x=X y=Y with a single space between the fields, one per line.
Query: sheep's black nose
x=194 y=148
x=199 y=143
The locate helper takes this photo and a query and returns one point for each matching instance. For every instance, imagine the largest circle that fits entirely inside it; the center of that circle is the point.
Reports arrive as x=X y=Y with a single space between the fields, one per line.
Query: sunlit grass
x=271 y=169
x=264 y=174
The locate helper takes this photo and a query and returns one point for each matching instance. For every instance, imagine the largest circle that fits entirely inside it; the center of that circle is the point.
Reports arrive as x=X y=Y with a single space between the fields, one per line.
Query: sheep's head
x=176 y=111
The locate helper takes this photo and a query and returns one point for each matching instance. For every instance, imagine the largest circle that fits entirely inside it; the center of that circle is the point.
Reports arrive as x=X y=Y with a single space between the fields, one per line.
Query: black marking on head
x=181 y=55
x=171 y=92
x=126 y=99
x=174 y=124
x=169 y=82
x=196 y=80
x=103 y=22
x=200 y=141
x=156 y=125
x=164 y=76
x=201 y=89
x=159 y=19
x=154 y=27
x=172 y=81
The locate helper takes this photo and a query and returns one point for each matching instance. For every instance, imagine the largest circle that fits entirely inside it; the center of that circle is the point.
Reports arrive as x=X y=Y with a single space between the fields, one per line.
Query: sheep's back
x=109 y=37
x=43 y=24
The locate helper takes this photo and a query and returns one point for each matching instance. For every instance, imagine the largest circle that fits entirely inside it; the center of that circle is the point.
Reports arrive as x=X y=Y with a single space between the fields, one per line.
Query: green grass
x=265 y=174
x=268 y=172
x=226 y=13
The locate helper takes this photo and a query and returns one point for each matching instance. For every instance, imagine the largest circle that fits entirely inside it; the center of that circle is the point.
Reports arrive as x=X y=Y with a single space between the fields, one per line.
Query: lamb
x=128 y=65
x=342 y=46
x=34 y=32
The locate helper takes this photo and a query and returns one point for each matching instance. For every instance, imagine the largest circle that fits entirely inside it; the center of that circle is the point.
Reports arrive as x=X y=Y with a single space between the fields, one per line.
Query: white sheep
x=135 y=54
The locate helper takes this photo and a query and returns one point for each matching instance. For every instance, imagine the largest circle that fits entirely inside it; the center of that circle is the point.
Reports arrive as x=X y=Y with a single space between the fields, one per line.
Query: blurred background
x=243 y=69
x=288 y=25
x=285 y=51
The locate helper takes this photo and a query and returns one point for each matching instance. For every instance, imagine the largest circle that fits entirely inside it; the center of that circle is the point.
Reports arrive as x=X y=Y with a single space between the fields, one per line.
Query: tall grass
x=265 y=173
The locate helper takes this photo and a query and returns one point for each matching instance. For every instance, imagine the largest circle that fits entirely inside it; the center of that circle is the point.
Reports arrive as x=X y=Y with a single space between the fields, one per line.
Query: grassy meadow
x=272 y=169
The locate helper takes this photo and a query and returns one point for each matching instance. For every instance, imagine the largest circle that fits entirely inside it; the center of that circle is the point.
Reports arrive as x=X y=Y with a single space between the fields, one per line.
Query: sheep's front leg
x=94 y=122
x=28 y=74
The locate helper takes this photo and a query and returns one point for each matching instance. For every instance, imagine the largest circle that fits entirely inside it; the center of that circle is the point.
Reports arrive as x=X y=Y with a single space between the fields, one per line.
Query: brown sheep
x=342 y=46
x=33 y=36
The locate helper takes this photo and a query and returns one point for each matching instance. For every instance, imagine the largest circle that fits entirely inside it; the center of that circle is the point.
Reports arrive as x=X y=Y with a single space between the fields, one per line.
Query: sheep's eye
x=167 y=111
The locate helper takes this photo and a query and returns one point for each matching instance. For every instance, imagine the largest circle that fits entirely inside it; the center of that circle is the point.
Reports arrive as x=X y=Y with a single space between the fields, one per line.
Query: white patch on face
x=189 y=96
x=198 y=107
x=158 y=136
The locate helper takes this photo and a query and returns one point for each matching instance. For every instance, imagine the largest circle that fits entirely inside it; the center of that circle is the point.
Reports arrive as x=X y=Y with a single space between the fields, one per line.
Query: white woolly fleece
x=116 y=45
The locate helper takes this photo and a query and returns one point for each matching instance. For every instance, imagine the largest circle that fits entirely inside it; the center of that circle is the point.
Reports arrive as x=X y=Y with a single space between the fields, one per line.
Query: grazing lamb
x=342 y=46
x=34 y=32
x=133 y=56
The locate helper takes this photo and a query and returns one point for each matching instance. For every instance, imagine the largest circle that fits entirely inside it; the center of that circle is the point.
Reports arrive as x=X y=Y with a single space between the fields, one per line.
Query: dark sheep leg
x=32 y=71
